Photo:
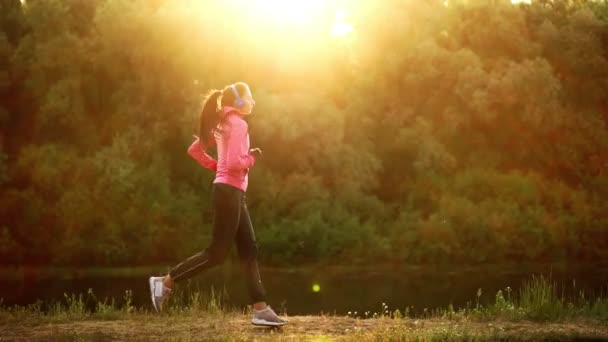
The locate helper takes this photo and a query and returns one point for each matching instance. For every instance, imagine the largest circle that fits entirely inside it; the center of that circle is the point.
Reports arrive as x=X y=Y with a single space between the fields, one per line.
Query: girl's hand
x=197 y=140
x=255 y=151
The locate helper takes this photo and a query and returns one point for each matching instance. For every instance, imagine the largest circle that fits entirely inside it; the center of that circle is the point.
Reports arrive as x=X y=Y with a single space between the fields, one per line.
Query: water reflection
x=321 y=289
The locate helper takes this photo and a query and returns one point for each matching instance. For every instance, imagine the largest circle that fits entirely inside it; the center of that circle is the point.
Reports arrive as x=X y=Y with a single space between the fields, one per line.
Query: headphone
x=239 y=101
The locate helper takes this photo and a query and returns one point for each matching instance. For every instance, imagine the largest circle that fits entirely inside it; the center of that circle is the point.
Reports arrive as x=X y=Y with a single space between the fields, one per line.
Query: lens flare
x=287 y=12
x=341 y=27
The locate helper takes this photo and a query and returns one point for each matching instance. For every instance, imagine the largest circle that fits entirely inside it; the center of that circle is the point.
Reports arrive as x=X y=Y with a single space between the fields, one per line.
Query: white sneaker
x=267 y=317
x=159 y=292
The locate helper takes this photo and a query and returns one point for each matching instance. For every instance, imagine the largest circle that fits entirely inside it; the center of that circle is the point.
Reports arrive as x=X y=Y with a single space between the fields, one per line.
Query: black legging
x=231 y=222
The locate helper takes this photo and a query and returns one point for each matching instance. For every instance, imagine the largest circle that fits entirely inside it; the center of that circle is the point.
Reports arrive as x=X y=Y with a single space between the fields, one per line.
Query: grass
x=537 y=312
x=538 y=301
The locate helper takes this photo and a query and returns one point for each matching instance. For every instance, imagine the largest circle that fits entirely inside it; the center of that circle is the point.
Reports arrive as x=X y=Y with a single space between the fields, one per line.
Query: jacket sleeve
x=197 y=152
x=237 y=156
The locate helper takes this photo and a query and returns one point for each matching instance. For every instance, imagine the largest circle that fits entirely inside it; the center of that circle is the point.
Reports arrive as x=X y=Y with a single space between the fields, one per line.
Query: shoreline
x=14 y=272
x=539 y=313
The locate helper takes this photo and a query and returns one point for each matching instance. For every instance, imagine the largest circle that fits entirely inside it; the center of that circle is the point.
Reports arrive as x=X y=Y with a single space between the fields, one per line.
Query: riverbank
x=312 y=291
x=537 y=312
x=16 y=272
x=236 y=327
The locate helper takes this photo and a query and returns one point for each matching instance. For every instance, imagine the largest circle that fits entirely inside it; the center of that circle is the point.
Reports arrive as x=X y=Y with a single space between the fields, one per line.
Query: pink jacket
x=233 y=155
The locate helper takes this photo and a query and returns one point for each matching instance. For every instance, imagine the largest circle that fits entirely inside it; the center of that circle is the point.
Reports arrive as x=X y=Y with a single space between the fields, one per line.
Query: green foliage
x=537 y=303
x=540 y=299
x=473 y=132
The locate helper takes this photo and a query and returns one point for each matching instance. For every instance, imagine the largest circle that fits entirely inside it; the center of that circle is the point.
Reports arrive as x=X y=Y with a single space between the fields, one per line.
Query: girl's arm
x=197 y=152
x=237 y=156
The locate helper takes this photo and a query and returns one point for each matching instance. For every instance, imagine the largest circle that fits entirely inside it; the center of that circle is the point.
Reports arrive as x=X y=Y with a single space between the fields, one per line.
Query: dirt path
x=319 y=328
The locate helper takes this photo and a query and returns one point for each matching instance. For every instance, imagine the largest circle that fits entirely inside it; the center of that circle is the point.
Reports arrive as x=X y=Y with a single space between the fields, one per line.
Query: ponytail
x=209 y=117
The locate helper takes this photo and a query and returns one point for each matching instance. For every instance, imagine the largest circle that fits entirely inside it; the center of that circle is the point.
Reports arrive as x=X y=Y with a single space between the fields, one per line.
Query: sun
x=288 y=12
x=304 y=19
x=300 y=27
x=341 y=27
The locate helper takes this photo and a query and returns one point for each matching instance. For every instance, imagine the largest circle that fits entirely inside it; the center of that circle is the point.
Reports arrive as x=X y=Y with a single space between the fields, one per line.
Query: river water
x=315 y=290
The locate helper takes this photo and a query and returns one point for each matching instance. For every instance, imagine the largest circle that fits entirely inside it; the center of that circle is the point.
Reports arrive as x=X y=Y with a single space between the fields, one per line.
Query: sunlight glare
x=341 y=27
x=306 y=26
x=286 y=11
x=515 y=2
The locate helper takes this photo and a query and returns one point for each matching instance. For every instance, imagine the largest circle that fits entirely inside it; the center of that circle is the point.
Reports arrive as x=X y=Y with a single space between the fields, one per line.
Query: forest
x=432 y=132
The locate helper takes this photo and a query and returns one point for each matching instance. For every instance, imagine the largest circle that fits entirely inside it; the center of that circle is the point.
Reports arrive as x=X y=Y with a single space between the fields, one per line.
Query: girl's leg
x=247 y=250
x=226 y=216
